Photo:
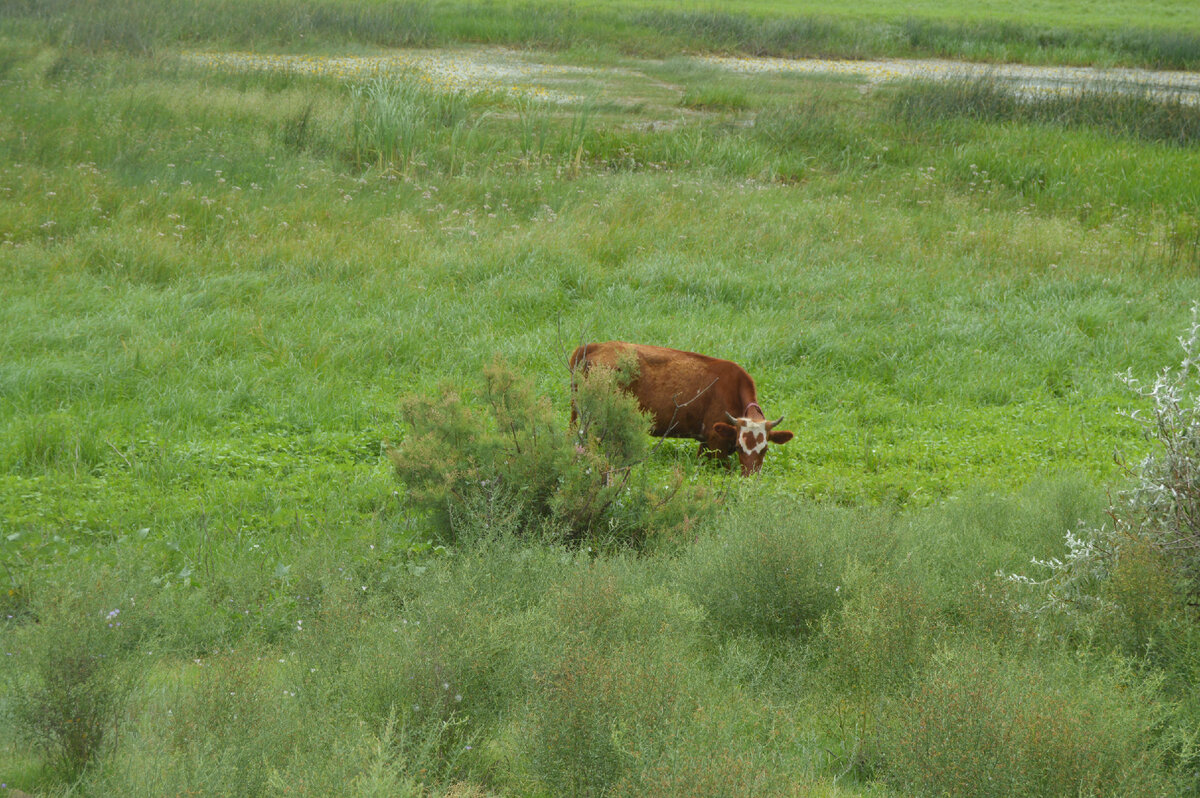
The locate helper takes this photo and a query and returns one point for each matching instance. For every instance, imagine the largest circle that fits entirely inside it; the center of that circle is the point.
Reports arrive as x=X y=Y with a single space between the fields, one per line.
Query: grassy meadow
x=227 y=292
x=1163 y=34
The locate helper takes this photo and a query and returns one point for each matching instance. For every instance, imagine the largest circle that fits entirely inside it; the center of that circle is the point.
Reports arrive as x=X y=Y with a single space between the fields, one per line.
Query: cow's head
x=750 y=437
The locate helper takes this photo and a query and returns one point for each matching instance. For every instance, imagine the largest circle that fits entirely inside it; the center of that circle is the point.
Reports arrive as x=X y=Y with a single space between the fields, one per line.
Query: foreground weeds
x=980 y=722
x=516 y=667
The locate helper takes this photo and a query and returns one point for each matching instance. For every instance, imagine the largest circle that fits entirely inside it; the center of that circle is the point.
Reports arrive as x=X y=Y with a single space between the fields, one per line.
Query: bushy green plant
x=238 y=715
x=71 y=702
x=442 y=673
x=575 y=752
x=514 y=468
x=766 y=572
x=986 y=723
x=608 y=702
x=881 y=636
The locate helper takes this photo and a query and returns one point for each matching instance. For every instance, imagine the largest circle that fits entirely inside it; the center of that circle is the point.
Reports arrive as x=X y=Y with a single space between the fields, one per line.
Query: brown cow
x=693 y=396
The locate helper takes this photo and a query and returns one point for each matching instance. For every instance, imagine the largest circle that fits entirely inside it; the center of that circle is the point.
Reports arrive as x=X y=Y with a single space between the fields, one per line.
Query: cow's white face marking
x=752 y=436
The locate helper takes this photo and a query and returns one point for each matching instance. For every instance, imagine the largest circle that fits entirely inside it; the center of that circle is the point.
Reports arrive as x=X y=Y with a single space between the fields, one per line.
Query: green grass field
x=1163 y=34
x=218 y=284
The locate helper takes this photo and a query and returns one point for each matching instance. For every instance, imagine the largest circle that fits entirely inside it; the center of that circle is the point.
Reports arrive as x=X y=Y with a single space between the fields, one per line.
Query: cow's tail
x=578 y=363
x=579 y=359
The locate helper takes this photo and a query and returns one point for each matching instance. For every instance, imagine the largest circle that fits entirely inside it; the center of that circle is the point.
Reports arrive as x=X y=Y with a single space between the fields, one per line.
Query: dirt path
x=1030 y=80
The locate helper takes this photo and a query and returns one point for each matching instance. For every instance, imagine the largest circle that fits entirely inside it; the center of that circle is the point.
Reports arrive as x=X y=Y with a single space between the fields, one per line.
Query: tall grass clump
x=715 y=98
x=54 y=440
x=396 y=124
x=142 y=26
x=125 y=27
x=296 y=131
x=147 y=25
x=1157 y=49
x=514 y=468
x=812 y=130
x=770 y=35
x=1137 y=111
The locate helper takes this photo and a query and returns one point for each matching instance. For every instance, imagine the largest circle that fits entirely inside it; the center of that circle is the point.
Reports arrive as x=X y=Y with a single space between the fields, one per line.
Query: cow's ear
x=724 y=430
x=780 y=436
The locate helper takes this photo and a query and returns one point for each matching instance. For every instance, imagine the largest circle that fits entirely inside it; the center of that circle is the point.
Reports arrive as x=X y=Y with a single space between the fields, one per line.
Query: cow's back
x=684 y=392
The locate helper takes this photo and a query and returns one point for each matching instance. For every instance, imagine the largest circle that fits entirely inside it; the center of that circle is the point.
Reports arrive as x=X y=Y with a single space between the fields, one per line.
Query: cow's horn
x=771 y=424
x=732 y=420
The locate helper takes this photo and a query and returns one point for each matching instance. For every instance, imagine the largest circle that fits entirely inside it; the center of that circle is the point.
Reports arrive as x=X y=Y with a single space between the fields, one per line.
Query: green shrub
x=443 y=673
x=71 y=700
x=238 y=715
x=1150 y=612
x=957 y=547
x=984 y=723
x=766 y=571
x=881 y=636
x=602 y=712
x=514 y=469
x=575 y=752
x=699 y=772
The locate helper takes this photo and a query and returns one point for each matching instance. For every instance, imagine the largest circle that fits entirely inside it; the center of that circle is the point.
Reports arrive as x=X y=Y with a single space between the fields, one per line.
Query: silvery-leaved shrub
x=1143 y=562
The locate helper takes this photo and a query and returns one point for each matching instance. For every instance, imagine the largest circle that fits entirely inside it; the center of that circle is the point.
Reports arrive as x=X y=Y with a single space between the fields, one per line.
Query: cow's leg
x=574 y=387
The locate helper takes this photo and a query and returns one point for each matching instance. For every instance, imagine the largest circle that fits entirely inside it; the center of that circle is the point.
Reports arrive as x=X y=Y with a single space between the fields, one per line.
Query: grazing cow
x=693 y=396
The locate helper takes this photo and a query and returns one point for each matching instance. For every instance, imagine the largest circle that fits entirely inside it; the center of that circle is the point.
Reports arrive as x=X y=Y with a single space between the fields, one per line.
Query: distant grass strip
x=631 y=27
